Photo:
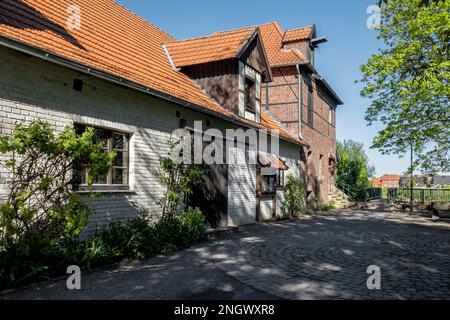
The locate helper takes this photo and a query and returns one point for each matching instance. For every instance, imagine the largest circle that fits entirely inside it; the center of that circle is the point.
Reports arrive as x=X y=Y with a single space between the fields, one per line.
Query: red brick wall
x=321 y=137
x=287 y=112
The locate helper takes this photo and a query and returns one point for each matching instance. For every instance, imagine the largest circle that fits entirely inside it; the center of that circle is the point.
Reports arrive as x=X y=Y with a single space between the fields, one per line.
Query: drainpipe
x=300 y=100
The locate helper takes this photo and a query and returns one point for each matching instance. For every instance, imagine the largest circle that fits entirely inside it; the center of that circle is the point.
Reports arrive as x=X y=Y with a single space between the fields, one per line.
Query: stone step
x=341 y=200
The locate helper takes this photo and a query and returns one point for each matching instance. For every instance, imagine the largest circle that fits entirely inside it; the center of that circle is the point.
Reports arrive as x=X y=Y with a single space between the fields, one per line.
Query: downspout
x=300 y=100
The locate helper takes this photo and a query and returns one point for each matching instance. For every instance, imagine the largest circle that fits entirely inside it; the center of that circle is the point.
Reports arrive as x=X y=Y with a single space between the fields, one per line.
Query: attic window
x=250 y=95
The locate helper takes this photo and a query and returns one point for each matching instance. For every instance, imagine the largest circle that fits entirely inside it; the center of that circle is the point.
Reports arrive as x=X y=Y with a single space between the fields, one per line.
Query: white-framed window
x=249 y=93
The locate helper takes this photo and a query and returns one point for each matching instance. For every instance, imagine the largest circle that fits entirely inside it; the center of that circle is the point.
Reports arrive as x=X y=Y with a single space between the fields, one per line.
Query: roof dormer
x=229 y=66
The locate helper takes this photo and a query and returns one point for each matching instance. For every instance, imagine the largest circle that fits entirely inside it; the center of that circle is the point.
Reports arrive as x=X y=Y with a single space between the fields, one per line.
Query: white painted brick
x=148 y=119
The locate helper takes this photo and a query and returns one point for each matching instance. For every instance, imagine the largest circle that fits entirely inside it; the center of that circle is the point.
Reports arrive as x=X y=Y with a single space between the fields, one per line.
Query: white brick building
x=38 y=80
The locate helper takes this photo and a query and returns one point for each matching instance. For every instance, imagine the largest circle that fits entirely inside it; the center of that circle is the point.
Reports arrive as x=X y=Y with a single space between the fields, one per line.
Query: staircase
x=340 y=198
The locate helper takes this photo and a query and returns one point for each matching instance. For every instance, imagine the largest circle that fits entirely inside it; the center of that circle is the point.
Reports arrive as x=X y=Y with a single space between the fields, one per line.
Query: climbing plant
x=41 y=172
x=178 y=178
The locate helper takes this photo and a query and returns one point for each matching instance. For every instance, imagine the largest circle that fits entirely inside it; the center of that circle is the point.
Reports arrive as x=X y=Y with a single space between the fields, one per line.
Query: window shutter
x=241 y=89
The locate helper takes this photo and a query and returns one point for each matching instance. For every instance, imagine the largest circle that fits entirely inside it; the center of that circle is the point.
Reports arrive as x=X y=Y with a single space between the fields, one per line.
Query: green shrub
x=28 y=260
x=293 y=194
x=330 y=205
x=133 y=239
x=33 y=259
x=193 y=225
x=179 y=231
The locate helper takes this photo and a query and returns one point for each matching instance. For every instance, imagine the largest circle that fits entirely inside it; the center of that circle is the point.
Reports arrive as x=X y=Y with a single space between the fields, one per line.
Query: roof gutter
x=48 y=56
x=328 y=87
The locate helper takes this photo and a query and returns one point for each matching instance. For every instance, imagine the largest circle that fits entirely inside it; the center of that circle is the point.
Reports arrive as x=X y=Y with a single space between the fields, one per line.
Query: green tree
x=353 y=165
x=408 y=82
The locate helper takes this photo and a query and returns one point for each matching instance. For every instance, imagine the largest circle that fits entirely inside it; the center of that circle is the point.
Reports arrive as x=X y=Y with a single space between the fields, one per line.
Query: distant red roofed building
x=390 y=181
x=376 y=182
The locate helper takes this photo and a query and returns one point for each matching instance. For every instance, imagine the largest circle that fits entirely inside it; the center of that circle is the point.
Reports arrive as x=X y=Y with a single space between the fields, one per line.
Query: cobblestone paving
x=327 y=257
x=320 y=257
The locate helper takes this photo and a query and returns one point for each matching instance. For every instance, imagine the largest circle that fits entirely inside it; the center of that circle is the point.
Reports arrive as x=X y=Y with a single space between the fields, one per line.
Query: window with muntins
x=270 y=183
x=118 y=176
x=250 y=95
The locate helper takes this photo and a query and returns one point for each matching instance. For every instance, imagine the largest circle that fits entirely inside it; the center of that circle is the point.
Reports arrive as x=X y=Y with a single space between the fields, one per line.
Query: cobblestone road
x=321 y=257
x=327 y=257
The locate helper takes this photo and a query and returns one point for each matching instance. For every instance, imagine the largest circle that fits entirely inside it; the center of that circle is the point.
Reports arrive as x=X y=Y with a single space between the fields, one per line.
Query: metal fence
x=419 y=195
x=372 y=193
x=404 y=195
x=401 y=195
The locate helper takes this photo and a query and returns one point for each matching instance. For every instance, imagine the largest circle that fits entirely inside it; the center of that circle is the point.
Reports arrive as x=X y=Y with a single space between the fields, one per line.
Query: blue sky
x=344 y=23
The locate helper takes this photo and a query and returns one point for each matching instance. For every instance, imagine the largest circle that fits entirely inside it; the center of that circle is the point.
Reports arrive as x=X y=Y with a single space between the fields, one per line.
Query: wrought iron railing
x=403 y=195
x=418 y=195
x=365 y=194
x=351 y=192
x=372 y=193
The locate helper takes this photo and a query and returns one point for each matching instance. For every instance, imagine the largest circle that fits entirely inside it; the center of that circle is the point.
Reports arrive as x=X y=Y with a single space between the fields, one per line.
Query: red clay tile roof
x=298 y=34
x=218 y=46
x=376 y=182
x=111 y=39
x=390 y=177
x=272 y=37
x=226 y=45
x=273 y=41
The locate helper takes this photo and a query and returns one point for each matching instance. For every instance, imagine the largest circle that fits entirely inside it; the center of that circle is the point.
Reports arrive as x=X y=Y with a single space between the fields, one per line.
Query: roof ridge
x=242 y=28
x=279 y=29
x=247 y=39
x=301 y=28
x=215 y=34
x=142 y=19
x=218 y=33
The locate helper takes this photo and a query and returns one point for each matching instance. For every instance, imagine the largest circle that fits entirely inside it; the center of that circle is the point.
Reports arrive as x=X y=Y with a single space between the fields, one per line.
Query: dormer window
x=249 y=93
x=250 y=101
